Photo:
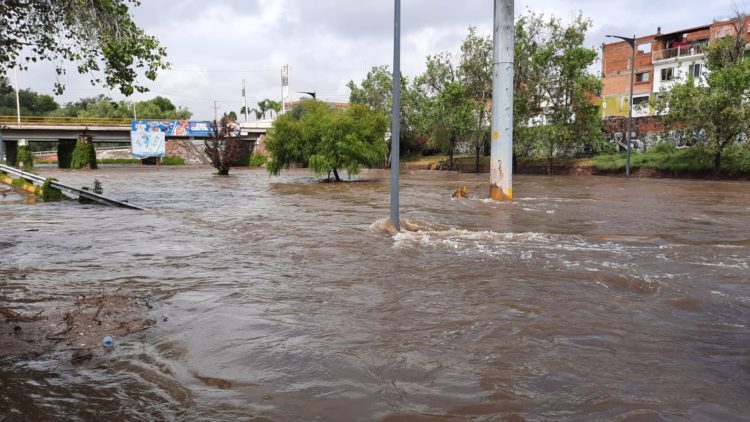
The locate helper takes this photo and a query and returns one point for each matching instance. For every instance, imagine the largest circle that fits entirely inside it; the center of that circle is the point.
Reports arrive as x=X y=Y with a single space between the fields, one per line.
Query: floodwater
x=586 y=298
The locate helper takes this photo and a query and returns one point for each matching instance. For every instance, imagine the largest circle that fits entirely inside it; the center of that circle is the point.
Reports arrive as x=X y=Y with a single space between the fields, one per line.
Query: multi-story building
x=661 y=60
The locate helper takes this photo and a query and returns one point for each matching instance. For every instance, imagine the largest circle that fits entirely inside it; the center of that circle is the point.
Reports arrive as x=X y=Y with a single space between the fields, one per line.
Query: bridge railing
x=63 y=121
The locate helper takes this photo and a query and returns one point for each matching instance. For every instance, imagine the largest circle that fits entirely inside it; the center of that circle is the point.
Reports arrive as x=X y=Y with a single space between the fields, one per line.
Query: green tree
x=105 y=107
x=475 y=74
x=32 y=103
x=376 y=92
x=714 y=112
x=230 y=117
x=99 y=36
x=327 y=139
x=568 y=120
x=452 y=101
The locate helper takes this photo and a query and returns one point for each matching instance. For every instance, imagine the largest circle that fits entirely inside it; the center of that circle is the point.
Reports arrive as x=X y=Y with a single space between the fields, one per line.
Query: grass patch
x=172 y=160
x=257 y=160
x=735 y=159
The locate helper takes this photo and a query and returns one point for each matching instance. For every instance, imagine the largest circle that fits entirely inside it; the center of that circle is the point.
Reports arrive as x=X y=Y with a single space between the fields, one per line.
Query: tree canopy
x=714 y=111
x=99 y=36
x=32 y=103
x=327 y=139
x=104 y=107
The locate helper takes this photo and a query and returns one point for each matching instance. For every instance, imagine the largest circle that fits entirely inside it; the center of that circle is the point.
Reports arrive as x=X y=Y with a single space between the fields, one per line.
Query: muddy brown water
x=586 y=298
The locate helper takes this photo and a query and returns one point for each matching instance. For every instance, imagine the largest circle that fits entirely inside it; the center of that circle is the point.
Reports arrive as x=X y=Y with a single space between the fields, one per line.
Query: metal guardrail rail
x=36 y=179
x=117 y=148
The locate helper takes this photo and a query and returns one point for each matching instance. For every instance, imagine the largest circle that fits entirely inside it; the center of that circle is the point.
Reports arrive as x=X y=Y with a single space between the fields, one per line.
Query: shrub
x=257 y=160
x=84 y=155
x=50 y=194
x=173 y=160
x=26 y=157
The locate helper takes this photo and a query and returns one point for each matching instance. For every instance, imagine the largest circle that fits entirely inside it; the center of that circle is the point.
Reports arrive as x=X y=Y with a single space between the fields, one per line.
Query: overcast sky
x=213 y=46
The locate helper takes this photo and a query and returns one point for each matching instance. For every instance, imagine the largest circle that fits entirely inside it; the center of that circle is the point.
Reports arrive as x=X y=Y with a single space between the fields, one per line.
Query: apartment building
x=661 y=60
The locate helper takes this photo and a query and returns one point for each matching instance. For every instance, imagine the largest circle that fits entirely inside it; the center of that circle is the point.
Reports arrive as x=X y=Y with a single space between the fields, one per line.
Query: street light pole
x=631 y=42
x=396 y=117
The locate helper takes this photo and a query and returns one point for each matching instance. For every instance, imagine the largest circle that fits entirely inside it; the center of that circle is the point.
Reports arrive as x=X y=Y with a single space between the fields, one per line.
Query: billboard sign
x=180 y=128
x=147 y=144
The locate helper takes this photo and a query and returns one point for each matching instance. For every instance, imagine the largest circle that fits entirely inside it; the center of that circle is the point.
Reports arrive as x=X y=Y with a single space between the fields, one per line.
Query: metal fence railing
x=63 y=121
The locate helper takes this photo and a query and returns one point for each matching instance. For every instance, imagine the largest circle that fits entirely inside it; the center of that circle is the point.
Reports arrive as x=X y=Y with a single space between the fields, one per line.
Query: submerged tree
x=99 y=36
x=327 y=139
x=222 y=147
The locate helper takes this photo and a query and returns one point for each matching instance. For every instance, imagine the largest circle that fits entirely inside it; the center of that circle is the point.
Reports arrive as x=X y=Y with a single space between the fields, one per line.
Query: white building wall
x=681 y=70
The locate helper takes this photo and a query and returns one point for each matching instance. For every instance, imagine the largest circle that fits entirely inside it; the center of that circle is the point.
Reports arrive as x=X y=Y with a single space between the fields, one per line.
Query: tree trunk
x=717 y=163
x=549 y=165
x=336 y=175
x=450 y=152
x=476 y=160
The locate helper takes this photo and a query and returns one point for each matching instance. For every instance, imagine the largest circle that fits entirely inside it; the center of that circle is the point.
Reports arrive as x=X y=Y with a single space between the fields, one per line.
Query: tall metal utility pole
x=396 y=117
x=501 y=163
x=631 y=42
x=244 y=98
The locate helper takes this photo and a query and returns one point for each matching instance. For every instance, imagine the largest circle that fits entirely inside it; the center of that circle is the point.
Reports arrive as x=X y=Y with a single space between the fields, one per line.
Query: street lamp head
x=629 y=40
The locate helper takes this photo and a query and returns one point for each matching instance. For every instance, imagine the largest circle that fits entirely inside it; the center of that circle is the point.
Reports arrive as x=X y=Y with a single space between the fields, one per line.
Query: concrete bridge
x=110 y=131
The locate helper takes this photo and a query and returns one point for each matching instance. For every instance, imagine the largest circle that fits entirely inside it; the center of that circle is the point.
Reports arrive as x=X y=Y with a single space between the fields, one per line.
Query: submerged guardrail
x=36 y=179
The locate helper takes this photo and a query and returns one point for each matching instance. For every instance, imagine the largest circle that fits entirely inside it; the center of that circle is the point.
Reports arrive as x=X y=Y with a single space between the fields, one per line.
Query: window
x=667 y=74
x=642 y=77
x=640 y=102
x=644 y=48
x=696 y=70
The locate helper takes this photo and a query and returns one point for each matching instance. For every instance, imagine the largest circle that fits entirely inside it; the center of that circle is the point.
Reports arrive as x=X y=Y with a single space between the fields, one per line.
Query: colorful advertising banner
x=179 y=128
x=148 y=144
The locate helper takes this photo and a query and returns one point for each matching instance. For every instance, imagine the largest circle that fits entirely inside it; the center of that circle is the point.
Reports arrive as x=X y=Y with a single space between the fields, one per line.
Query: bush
x=50 y=194
x=84 y=155
x=26 y=157
x=172 y=160
x=257 y=160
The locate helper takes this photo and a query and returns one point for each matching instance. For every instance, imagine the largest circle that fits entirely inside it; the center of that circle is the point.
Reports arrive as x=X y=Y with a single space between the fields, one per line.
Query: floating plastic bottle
x=109 y=343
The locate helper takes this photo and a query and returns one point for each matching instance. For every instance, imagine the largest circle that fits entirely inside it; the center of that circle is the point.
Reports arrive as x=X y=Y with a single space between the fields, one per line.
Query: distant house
x=661 y=60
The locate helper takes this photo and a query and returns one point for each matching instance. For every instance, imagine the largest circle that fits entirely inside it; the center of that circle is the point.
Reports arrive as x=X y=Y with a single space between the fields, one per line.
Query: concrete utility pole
x=396 y=117
x=501 y=163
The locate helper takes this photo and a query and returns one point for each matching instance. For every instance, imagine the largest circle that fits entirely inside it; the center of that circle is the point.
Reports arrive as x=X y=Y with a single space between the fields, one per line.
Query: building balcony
x=677 y=52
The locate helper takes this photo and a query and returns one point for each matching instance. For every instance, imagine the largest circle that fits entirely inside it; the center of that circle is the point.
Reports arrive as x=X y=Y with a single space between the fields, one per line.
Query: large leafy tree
x=99 y=36
x=327 y=139
x=457 y=90
x=376 y=92
x=715 y=113
x=568 y=119
x=32 y=103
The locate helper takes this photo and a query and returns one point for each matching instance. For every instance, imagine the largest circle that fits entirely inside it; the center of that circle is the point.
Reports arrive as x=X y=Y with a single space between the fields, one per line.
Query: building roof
x=685 y=31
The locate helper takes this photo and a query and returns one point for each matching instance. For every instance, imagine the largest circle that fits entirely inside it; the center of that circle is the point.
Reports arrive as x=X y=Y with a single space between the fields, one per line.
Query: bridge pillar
x=65 y=148
x=11 y=153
